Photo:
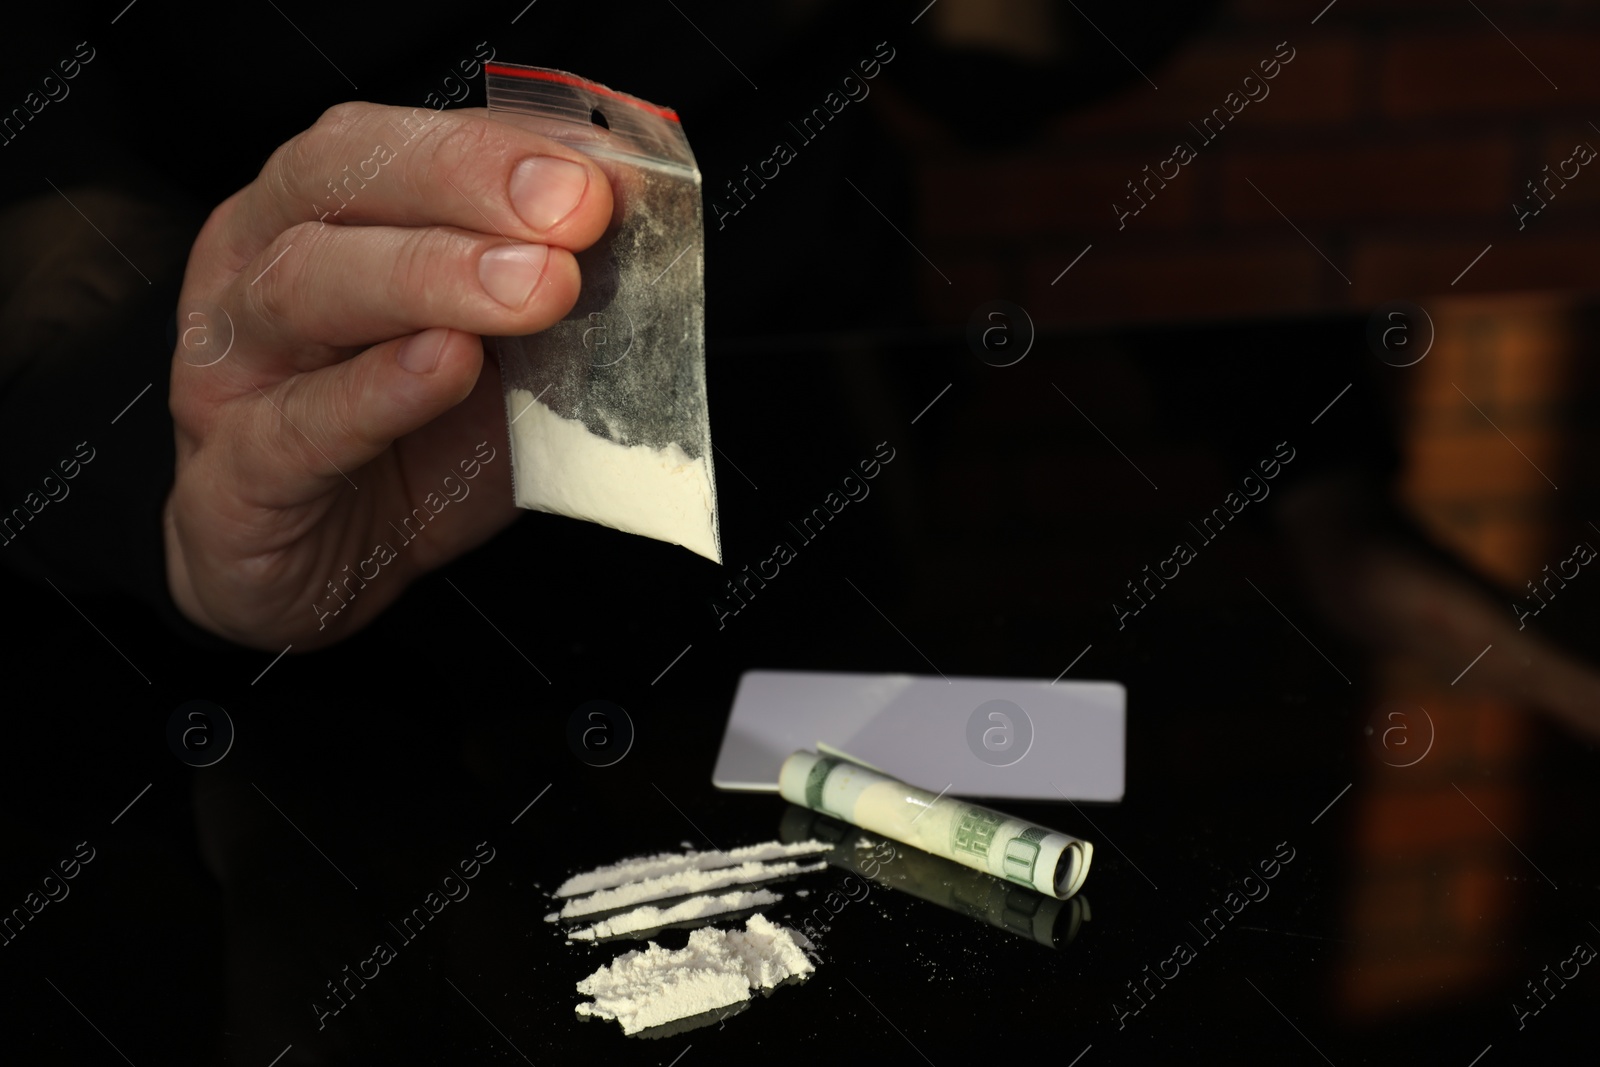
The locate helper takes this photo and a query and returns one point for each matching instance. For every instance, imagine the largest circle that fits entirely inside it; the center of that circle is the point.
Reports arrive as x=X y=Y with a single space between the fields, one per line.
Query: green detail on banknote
x=1022 y=852
x=816 y=780
x=973 y=831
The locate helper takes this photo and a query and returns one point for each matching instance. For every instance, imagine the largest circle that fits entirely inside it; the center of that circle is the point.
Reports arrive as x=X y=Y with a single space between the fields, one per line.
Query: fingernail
x=510 y=272
x=420 y=352
x=545 y=189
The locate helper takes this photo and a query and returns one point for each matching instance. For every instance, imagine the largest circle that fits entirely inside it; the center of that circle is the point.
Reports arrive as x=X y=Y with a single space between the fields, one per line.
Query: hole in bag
x=598 y=119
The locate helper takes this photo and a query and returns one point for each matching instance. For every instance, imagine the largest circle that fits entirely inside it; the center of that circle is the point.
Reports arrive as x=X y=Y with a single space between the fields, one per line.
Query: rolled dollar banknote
x=1048 y=861
x=1046 y=920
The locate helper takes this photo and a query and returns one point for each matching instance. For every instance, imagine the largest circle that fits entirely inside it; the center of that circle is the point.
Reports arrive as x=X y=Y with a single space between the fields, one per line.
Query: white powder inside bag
x=650 y=917
x=680 y=883
x=641 y=989
x=560 y=467
x=671 y=862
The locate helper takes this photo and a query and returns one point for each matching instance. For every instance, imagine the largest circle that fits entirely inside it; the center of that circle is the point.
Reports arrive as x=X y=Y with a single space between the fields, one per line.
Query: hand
x=353 y=278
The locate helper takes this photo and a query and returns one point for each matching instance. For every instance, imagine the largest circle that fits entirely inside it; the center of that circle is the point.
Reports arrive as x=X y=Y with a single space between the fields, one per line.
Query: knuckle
x=277 y=432
x=335 y=415
x=340 y=118
x=453 y=147
x=290 y=168
x=414 y=270
x=220 y=237
x=185 y=404
x=307 y=233
x=315 y=418
x=272 y=293
x=283 y=174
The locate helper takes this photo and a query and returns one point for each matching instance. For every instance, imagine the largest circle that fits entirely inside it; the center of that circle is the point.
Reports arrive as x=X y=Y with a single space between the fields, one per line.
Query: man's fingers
x=348 y=286
x=316 y=430
x=367 y=164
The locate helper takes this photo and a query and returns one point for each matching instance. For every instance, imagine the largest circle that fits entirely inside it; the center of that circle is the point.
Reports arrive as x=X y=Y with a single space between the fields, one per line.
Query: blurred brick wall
x=1483 y=478
x=1430 y=896
x=1396 y=140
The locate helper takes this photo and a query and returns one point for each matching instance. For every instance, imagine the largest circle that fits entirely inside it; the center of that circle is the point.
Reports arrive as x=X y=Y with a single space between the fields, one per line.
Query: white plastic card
x=978 y=737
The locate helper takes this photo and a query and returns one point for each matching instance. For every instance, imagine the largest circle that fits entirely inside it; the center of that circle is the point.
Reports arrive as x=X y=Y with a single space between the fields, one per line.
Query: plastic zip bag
x=607 y=408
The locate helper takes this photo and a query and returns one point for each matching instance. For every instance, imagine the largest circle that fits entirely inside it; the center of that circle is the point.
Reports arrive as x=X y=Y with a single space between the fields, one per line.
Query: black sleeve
x=91 y=277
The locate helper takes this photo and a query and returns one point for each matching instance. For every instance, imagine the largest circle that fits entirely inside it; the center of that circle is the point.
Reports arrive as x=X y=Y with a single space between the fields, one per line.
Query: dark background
x=1175 y=354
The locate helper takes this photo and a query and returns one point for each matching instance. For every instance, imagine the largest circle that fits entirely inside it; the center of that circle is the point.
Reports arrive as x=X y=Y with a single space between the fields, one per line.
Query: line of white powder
x=650 y=917
x=677 y=884
x=642 y=867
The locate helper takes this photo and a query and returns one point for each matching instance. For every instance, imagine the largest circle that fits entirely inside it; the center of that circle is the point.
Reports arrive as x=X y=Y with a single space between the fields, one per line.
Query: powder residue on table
x=560 y=467
x=641 y=989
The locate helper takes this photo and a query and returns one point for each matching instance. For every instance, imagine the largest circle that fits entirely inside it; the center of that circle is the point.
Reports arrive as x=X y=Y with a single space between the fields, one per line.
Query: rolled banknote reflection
x=1048 y=861
x=1046 y=920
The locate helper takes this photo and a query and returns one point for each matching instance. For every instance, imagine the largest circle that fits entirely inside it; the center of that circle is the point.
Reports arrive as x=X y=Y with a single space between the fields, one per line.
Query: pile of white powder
x=560 y=467
x=717 y=968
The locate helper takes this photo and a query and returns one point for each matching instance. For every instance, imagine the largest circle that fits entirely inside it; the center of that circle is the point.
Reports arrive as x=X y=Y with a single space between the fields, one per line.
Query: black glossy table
x=1285 y=882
